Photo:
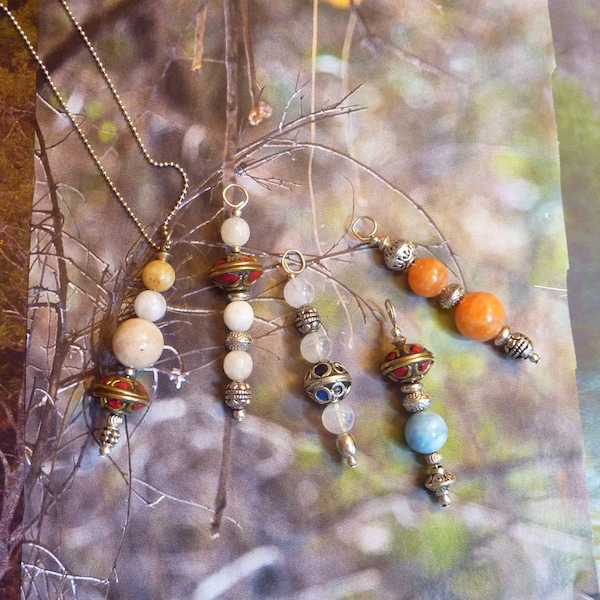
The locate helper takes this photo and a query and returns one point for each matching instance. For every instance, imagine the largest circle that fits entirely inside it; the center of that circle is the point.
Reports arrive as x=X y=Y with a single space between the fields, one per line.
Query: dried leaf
x=263 y=110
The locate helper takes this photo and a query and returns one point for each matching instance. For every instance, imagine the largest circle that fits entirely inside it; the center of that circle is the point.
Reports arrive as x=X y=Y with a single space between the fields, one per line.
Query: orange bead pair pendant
x=479 y=316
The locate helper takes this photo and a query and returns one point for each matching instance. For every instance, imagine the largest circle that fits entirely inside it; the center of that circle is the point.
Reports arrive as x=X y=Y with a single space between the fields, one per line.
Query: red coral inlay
x=114 y=403
x=401 y=372
x=138 y=406
x=391 y=356
x=254 y=275
x=424 y=366
x=227 y=279
x=416 y=349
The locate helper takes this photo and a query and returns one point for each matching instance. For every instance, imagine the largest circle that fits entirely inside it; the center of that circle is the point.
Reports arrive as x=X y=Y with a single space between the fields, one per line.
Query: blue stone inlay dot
x=322 y=395
x=426 y=432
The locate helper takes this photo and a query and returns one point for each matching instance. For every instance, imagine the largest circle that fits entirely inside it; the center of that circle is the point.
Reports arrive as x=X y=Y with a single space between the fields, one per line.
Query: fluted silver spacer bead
x=451 y=296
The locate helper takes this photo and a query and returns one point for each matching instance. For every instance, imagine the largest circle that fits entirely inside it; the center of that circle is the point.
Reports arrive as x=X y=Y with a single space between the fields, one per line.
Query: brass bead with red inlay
x=408 y=363
x=120 y=395
x=236 y=272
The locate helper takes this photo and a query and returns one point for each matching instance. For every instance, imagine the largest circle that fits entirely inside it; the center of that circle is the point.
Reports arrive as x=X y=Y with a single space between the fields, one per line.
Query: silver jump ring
x=241 y=203
x=362 y=236
x=286 y=265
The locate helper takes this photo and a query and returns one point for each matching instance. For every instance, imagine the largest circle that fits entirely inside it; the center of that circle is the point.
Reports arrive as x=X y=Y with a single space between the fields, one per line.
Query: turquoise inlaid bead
x=426 y=432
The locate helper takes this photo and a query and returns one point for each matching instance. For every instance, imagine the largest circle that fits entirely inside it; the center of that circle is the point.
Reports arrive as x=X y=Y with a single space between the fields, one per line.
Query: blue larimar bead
x=426 y=432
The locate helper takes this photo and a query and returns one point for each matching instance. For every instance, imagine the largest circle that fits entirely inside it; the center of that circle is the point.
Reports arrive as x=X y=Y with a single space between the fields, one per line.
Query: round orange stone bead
x=427 y=277
x=480 y=316
x=158 y=275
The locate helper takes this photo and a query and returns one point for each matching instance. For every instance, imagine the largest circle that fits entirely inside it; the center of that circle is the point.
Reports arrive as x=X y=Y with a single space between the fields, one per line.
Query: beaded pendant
x=425 y=431
x=479 y=316
x=327 y=382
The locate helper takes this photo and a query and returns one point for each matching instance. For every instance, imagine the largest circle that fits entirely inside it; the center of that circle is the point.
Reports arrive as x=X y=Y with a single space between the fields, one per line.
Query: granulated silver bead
x=520 y=346
x=416 y=402
x=451 y=296
x=399 y=255
x=238 y=340
x=307 y=319
x=238 y=394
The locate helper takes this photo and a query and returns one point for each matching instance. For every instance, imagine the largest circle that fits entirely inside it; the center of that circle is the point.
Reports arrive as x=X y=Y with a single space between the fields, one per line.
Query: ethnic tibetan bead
x=120 y=394
x=327 y=382
x=408 y=363
x=236 y=272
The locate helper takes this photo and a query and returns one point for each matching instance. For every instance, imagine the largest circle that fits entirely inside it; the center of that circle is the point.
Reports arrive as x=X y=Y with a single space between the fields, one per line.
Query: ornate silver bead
x=238 y=340
x=238 y=395
x=110 y=434
x=307 y=319
x=416 y=402
x=399 y=255
x=520 y=346
x=327 y=382
x=439 y=479
x=451 y=296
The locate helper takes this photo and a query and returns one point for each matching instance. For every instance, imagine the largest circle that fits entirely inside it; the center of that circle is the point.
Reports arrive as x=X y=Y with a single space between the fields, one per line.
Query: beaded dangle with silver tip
x=479 y=316
x=425 y=432
x=326 y=382
x=137 y=342
x=235 y=273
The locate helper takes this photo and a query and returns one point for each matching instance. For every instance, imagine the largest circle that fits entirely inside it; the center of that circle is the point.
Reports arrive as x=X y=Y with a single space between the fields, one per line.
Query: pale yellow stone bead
x=158 y=275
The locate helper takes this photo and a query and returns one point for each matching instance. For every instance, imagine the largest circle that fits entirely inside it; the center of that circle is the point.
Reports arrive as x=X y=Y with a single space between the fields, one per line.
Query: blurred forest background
x=436 y=119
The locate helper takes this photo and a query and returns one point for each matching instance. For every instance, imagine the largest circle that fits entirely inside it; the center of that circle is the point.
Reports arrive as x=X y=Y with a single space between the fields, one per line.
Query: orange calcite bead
x=427 y=277
x=480 y=316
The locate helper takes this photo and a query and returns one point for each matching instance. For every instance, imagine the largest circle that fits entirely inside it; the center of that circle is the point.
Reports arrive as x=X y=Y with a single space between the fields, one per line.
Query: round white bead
x=237 y=365
x=235 y=231
x=137 y=343
x=338 y=418
x=298 y=292
x=150 y=305
x=238 y=315
x=316 y=346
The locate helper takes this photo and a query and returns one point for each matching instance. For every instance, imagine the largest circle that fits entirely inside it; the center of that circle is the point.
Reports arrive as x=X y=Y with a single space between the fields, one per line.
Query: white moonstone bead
x=338 y=418
x=238 y=315
x=150 y=305
x=298 y=292
x=137 y=343
x=237 y=365
x=316 y=346
x=235 y=231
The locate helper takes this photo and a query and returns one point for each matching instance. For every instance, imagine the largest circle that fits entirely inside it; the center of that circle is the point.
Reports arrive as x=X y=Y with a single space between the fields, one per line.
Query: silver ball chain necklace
x=137 y=342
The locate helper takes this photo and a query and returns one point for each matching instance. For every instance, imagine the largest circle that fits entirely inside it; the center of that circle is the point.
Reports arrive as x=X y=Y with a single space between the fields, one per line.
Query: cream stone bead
x=150 y=305
x=158 y=275
x=235 y=231
x=237 y=365
x=137 y=343
x=238 y=315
